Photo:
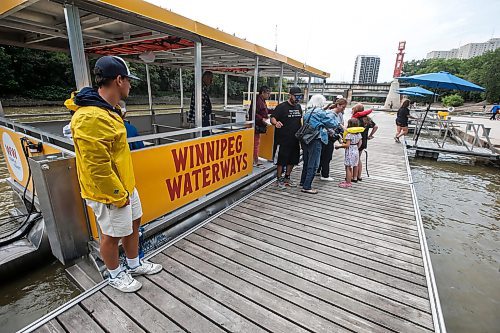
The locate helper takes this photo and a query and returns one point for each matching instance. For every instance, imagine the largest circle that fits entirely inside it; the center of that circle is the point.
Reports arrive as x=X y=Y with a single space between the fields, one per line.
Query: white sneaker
x=125 y=283
x=145 y=268
x=327 y=179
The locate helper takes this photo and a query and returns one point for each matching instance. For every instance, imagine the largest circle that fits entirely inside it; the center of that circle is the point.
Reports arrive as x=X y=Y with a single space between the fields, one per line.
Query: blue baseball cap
x=112 y=66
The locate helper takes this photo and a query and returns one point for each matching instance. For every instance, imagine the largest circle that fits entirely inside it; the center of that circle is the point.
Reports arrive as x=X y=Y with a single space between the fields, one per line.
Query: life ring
x=362 y=113
x=353 y=130
x=451 y=109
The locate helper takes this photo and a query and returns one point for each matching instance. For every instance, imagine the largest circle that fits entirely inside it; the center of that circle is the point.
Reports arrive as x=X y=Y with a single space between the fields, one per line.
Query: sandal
x=345 y=185
x=360 y=179
x=311 y=191
x=354 y=180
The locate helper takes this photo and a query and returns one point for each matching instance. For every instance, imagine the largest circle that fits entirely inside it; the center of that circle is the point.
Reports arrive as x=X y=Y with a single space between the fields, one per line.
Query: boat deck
x=344 y=260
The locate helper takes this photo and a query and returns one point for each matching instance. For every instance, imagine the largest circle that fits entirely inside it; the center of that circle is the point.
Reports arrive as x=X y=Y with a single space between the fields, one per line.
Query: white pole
x=225 y=91
x=181 y=88
x=150 y=98
x=308 y=88
x=197 y=85
x=249 y=86
x=280 y=89
x=255 y=80
x=75 y=38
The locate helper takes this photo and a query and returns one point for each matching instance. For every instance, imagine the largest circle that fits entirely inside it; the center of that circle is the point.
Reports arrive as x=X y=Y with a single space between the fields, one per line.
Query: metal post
x=249 y=86
x=296 y=78
x=280 y=89
x=181 y=88
x=1 y=110
x=75 y=38
x=323 y=88
x=197 y=86
x=150 y=101
x=225 y=91
x=308 y=89
x=255 y=80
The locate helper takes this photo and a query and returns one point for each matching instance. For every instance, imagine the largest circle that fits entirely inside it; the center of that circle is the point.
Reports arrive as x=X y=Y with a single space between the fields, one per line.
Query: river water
x=460 y=207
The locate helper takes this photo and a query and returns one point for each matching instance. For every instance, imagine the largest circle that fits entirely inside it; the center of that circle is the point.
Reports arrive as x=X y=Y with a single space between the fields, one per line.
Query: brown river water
x=460 y=206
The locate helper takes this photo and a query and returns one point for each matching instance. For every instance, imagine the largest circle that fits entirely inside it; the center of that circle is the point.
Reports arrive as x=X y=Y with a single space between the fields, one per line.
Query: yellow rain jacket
x=103 y=160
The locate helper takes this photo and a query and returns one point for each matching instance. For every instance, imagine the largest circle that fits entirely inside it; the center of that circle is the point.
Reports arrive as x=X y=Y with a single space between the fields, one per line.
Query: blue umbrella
x=418 y=90
x=409 y=93
x=440 y=80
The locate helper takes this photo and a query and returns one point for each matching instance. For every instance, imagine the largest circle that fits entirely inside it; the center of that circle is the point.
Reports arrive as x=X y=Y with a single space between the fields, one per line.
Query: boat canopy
x=130 y=28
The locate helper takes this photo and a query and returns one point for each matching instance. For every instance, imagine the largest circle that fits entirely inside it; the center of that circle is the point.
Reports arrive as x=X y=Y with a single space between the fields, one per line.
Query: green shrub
x=49 y=93
x=453 y=100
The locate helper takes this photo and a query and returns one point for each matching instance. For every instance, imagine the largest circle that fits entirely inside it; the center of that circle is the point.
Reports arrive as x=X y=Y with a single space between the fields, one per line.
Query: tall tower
x=398 y=67
x=392 y=101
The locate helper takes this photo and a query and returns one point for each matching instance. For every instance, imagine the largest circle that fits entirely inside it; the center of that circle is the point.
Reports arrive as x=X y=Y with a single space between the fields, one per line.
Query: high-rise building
x=466 y=51
x=366 y=69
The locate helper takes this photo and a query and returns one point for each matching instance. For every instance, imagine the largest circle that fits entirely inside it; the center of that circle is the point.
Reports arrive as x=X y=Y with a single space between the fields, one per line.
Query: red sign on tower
x=398 y=67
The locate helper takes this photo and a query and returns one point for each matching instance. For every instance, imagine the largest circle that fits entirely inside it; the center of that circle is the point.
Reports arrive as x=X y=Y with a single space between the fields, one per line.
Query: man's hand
x=278 y=124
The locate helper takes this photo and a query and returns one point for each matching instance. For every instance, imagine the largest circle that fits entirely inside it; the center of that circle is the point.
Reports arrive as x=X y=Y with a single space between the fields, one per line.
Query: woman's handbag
x=306 y=132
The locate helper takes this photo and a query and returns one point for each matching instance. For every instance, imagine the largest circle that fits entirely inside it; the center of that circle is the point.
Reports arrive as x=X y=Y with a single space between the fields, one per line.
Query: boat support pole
x=280 y=89
x=255 y=80
x=308 y=89
x=225 y=91
x=150 y=101
x=197 y=87
x=75 y=38
x=181 y=88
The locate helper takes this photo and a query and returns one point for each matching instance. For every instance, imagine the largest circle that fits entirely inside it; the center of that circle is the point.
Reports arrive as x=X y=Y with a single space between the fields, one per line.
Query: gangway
x=444 y=135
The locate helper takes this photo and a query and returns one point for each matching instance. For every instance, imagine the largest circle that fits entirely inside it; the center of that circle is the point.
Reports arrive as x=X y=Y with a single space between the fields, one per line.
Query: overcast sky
x=330 y=34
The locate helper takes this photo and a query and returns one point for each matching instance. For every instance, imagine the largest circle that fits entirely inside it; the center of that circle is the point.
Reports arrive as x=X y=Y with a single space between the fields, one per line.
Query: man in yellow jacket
x=105 y=170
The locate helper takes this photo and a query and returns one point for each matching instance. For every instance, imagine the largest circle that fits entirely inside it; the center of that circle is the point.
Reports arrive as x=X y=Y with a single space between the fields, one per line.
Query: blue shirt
x=132 y=132
x=321 y=119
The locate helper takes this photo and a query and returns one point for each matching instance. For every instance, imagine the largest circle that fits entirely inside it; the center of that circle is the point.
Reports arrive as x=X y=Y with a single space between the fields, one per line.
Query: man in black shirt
x=287 y=118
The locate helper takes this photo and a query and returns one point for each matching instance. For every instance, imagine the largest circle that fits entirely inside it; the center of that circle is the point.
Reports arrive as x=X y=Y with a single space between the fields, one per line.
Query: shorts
x=402 y=123
x=288 y=153
x=114 y=221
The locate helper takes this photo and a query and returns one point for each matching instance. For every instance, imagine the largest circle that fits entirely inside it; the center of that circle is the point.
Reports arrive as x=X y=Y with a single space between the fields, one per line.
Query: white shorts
x=114 y=221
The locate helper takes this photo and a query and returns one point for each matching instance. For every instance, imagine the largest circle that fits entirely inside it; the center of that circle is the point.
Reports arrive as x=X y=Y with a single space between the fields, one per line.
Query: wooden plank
x=382 y=283
x=270 y=227
x=183 y=315
x=51 y=327
x=292 y=287
x=229 y=298
x=298 y=203
x=150 y=318
x=332 y=219
x=76 y=319
x=215 y=311
x=366 y=242
x=279 y=301
x=346 y=261
x=295 y=195
x=324 y=223
x=108 y=315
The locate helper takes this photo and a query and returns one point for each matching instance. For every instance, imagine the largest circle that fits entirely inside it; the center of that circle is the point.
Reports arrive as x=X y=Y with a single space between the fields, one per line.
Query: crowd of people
x=326 y=126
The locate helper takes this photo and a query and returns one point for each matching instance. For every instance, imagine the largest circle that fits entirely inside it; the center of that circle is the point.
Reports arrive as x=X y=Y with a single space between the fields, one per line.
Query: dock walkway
x=344 y=260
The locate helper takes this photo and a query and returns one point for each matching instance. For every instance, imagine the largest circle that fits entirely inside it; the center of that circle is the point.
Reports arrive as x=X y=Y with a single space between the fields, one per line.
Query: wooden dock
x=344 y=260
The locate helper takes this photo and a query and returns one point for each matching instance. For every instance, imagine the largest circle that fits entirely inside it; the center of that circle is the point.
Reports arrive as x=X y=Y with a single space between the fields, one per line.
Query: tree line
x=45 y=75
x=49 y=76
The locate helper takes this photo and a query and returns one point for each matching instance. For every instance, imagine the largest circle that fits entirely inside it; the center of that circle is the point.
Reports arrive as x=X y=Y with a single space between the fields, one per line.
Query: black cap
x=295 y=91
x=112 y=66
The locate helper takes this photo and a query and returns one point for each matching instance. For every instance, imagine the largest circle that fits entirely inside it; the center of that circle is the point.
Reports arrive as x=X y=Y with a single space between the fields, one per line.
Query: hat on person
x=112 y=66
x=339 y=96
x=295 y=91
